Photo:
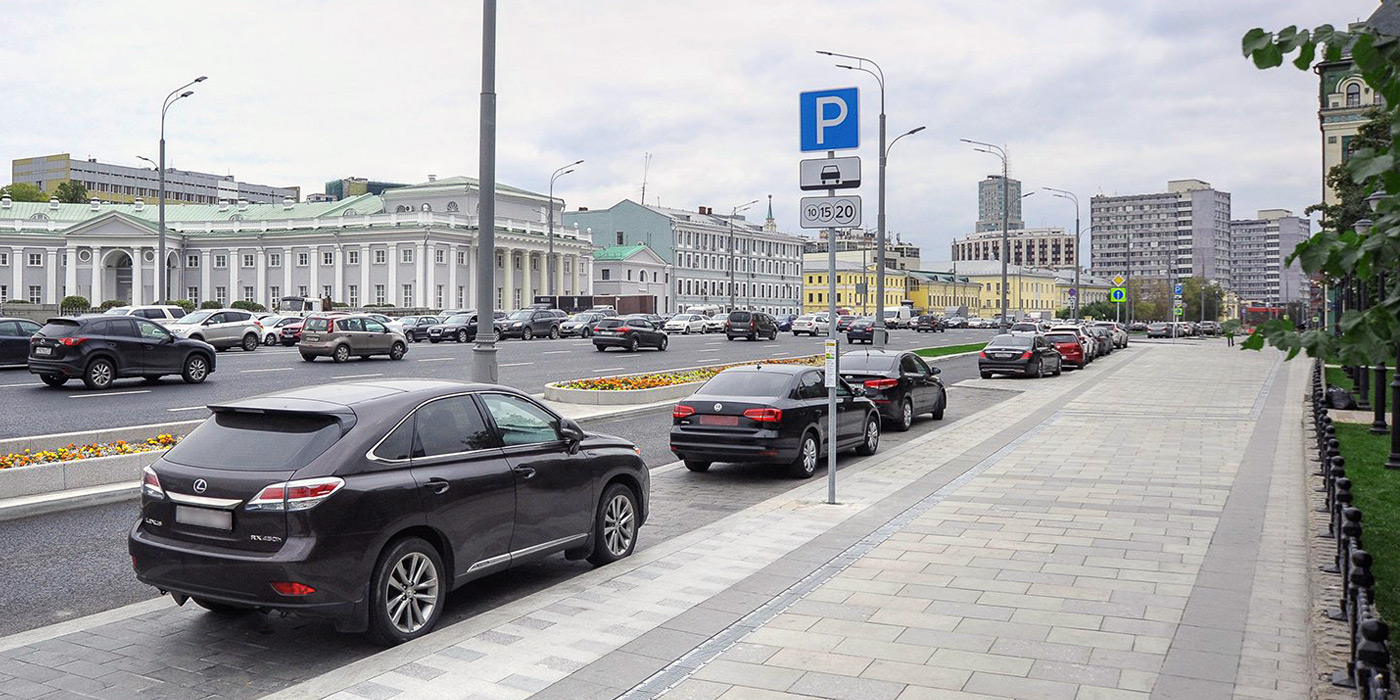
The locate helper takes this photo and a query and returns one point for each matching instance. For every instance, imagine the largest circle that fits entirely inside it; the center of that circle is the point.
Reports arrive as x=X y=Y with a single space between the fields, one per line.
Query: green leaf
x=1268 y=57
x=1306 y=53
x=1254 y=40
x=1364 y=168
x=1253 y=342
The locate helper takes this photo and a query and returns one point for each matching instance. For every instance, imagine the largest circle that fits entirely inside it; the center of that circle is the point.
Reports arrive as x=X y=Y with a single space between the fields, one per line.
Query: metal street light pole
x=732 y=214
x=549 y=264
x=1066 y=194
x=162 y=291
x=484 y=367
x=1000 y=152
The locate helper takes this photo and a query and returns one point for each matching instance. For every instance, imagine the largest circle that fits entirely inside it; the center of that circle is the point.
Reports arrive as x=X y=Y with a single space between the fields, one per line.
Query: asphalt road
x=34 y=409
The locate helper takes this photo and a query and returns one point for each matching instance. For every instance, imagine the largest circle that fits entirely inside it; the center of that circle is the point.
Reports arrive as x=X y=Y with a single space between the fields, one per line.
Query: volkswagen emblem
x=719 y=407
x=200 y=486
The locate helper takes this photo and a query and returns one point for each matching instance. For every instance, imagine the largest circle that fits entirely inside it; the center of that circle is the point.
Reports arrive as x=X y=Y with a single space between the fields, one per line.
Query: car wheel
x=218 y=608
x=527 y=334
x=599 y=348
x=407 y=592
x=554 y=333
x=696 y=465
x=906 y=416
x=587 y=333
x=1039 y=372
x=462 y=336
x=942 y=406
x=685 y=331
x=270 y=340
x=986 y=375
x=615 y=528
x=753 y=337
x=807 y=454
x=196 y=369
x=308 y=358
x=99 y=374
x=341 y=353
x=795 y=334
x=872 y=435
x=1059 y=368
x=53 y=379
x=396 y=352
x=250 y=342
x=664 y=342
x=632 y=344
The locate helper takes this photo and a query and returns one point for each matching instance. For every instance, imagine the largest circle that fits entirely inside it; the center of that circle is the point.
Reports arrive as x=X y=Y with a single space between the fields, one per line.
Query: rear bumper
x=763 y=446
x=64 y=368
x=613 y=341
x=1004 y=366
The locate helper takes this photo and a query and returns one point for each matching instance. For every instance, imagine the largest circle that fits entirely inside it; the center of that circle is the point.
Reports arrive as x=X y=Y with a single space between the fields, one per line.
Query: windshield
x=459 y=319
x=1013 y=341
x=522 y=315
x=117 y=311
x=196 y=317
x=867 y=363
x=285 y=441
x=747 y=383
x=581 y=318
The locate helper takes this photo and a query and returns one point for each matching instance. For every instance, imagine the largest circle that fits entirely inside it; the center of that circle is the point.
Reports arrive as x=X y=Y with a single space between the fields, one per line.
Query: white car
x=811 y=325
x=1120 y=336
x=159 y=313
x=715 y=324
x=272 y=327
x=975 y=322
x=686 y=324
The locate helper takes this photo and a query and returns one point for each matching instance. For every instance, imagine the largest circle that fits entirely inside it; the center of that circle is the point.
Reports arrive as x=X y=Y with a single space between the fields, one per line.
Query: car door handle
x=438 y=485
x=524 y=472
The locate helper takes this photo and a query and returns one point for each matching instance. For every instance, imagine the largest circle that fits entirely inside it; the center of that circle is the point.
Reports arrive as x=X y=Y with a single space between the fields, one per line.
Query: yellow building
x=815 y=289
x=1091 y=288
x=935 y=292
x=1029 y=290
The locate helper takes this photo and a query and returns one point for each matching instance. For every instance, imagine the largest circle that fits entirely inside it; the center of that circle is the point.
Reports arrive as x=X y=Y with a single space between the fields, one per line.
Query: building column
x=96 y=292
x=313 y=286
x=527 y=289
x=472 y=259
x=338 y=291
x=364 y=275
x=391 y=287
x=423 y=279
x=136 y=282
x=17 y=263
x=51 y=281
x=508 y=288
x=287 y=263
x=262 y=292
x=452 y=277
x=70 y=270
x=206 y=276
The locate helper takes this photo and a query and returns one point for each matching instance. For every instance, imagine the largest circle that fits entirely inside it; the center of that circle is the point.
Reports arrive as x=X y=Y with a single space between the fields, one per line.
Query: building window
x=190 y=261
x=406 y=255
x=407 y=298
x=326 y=292
x=461 y=296
x=379 y=294
x=440 y=256
x=452 y=206
x=516 y=260
x=220 y=262
x=36 y=294
x=221 y=295
x=517 y=300
x=303 y=259
x=353 y=295
x=247 y=294
x=439 y=295
x=1353 y=94
x=461 y=257
x=381 y=257
x=36 y=259
x=607 y=274
x=352 y=257
x=274 y=260
x=275 y=293
x=500 y=296
x=620 y=236
x=247 y=260
x=534 y=263
x=327 y=258
x=629 y=274
x=192 y=293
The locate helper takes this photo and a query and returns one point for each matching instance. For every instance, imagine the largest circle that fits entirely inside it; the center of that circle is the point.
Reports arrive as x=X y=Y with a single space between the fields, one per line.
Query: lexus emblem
x=200 y=486
x=719 y=407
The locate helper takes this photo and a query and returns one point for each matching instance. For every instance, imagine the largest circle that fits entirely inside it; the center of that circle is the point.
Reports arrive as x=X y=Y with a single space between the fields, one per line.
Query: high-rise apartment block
x=1183 y=232
x=1259 y=249
x=124 y=184
x=1050 y=248
x=990 y=205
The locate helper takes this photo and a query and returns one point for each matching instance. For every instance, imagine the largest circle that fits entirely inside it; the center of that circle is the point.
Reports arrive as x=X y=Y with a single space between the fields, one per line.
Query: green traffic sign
x=1118 y=294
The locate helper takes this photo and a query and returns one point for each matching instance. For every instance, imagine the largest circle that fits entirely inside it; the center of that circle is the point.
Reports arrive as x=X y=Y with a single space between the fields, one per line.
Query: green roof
x=618 y=252
x=362 y=204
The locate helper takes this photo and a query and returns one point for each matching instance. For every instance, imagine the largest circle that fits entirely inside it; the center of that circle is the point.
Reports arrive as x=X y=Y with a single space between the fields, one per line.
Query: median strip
x=950 y=350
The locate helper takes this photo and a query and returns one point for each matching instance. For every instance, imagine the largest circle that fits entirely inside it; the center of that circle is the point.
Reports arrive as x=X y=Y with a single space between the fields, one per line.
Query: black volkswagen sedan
x=1030 y=355
x=100 y=349
x=770 y=413
x=368 y=502
x=861 y=330
x=629 y=333
x=458 y=327
x=900 y=384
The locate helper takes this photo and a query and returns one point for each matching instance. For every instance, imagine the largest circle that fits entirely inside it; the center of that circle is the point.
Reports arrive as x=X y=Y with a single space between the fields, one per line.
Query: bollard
x=1336 y=527
x=1349 y=542
x=1358 y=594
x=1373 y=660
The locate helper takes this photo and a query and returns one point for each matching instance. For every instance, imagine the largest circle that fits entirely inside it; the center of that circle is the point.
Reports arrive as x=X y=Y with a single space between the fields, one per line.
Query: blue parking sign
x=830 y=119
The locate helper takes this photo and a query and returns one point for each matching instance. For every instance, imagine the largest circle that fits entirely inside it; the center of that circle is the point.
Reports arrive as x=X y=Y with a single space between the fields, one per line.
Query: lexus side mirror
x=570 y=429
x=935 y=370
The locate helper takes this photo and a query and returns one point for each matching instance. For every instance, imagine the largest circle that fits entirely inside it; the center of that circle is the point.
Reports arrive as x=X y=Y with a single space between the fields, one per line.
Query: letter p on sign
x=830 y=119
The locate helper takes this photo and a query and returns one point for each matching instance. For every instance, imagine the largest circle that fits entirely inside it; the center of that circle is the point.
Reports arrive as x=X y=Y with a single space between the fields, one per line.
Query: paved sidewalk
x=1131 y=531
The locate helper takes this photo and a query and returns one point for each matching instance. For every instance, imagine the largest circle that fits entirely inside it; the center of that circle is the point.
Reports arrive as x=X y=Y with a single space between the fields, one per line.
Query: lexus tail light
x=150 y=483
x=881 y=383
x=302 y=494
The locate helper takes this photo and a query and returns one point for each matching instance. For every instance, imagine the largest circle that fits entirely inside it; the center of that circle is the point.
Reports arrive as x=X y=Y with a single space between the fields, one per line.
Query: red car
x=291 y=333
x=1069 y=347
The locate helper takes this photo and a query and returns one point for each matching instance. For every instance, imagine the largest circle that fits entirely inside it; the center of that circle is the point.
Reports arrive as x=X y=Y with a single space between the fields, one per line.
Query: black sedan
x=458 y=327
x=628 y=333
x=900 y=384
x=415 y=328
x=14 y=341
x=100 y=349
x=367 y=502
x=861 y=330
x=930 y=324
x=1027 y=355
x=770 y=413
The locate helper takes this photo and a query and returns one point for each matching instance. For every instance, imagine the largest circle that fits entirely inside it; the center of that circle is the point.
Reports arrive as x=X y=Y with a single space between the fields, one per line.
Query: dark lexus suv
x=100 y=349
x=367 y=502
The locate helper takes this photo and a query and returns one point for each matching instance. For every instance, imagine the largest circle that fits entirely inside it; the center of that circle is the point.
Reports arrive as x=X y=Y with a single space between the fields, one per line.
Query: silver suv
x=159 y=313
x=222 y=328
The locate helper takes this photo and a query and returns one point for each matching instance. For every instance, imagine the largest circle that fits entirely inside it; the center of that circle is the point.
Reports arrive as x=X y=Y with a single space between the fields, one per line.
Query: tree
x=1196 y=291
x=24 y=192
x=1341 y=252
x=71 y=191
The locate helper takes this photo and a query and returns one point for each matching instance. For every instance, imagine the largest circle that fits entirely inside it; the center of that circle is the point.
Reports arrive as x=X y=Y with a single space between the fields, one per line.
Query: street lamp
x=732 y=214
x=162 y=291
x=880 y=333
x=1000 y=152
x=1066 y=194
x=549 y=265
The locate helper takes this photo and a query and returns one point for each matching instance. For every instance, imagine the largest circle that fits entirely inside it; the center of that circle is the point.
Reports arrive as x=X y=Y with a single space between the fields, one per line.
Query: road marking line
x=714 y=350
x=110 y=393
x=270 y=369
x=187 y=408
x=10 y=385
x=437 y=359
x=355 y=376
x=516 y=364
x=609 y=369
x=555 y=352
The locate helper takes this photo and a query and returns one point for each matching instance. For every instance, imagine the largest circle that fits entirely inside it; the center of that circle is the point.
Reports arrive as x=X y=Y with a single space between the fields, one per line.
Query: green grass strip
x=949 y=350
x=1376 y=491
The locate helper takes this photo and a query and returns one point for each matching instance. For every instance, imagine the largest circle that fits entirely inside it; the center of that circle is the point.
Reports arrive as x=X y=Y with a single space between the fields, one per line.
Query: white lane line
x=608 y=369
x=110 y=393
x=437 y=359
x=517 y=364
x=714 y=350
x=356 y=376
x=270 y=369
x=555 y=352
x=10 y=385
x=187 y=408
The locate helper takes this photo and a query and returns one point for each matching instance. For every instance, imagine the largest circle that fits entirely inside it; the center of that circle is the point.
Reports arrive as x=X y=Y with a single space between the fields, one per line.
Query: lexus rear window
x=256 y=441
x=59 y=329
x=750 y=383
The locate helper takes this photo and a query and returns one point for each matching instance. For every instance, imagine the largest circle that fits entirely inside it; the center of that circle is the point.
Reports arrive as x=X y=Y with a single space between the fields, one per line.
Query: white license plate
x=1005 y=356
x=312 y=338
x=204 y=517
x=43 y=351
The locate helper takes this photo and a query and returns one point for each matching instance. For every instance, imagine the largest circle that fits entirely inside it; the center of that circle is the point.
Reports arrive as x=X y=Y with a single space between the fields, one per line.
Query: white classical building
x=413 y=246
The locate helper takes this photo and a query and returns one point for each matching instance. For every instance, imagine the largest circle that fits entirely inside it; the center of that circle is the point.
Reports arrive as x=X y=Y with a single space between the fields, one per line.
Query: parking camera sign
x=830 y=119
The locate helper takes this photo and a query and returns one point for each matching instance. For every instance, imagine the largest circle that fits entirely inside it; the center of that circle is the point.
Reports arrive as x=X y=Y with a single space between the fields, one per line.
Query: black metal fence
x=1368 y=663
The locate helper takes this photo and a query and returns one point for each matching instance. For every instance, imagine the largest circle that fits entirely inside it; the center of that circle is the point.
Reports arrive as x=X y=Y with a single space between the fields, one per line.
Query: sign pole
x=832 y=360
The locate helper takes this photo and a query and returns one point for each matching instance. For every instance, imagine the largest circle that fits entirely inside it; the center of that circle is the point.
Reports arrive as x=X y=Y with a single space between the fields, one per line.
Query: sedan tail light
x=625 y=329
x=881 y=383
x=765 y=415
x=982 y=354
x=681 y=411
x=72 y=340
x=1026 y=355
x=302 y=494
x=150 y=483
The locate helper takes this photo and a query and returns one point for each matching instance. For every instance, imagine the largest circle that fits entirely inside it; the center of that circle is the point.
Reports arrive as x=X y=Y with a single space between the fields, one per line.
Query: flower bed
x=661 y=379
x=73 y=452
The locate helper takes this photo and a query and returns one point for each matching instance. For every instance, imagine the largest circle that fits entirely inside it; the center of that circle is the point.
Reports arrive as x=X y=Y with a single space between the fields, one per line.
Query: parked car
x=685 y=324
x=1137 y=326
x=862 y=330
x=811 y=325
x=898 y=316
x=955 y=322
x=14 y=341
x=581 y=324
x=340 y=337
x=900 y=384
x=1090 y=345
x=1118 y=333
x=750 y=324
x=458 y=327
x=272 y=327
x=976 y=322
x=929 y=324
x=1070 y=346
x=843 y=321
x=1211 y=328
x=290 y=333
x=1024 y=327
x=628 y=333
x=222 y=328
x=437 y=484
x=773 y=414
x=160 y=313
x=1103 y=337
x=785 y=322
x=414 y=328
x=527 y=324
x=100 y=349
x=1028 y=355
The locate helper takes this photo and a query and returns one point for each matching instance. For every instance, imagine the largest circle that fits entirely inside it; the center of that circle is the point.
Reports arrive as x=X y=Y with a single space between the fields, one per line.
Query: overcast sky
x=1092 y=96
